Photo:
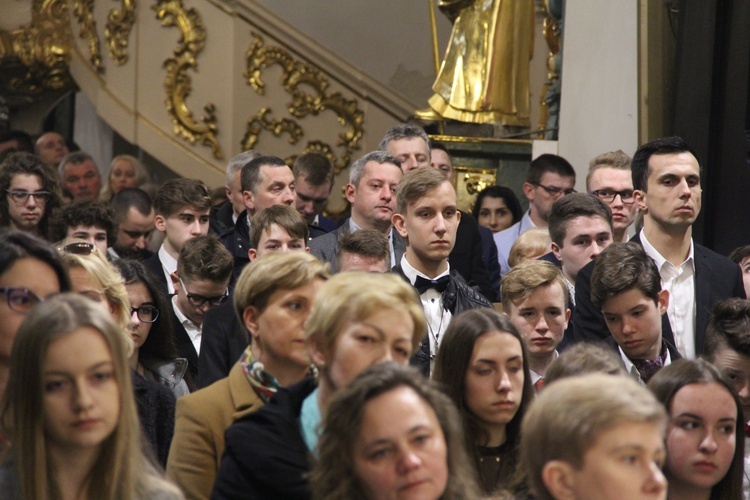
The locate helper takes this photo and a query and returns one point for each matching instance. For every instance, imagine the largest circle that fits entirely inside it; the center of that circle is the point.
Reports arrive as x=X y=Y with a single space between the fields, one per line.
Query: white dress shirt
x=194 y=331
x=169 y=266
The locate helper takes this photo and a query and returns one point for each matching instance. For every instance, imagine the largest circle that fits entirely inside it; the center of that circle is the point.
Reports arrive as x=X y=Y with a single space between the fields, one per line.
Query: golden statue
x=484 y=77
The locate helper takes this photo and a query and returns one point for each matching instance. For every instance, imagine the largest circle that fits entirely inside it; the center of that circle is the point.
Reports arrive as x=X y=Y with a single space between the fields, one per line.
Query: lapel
x=184 y=344
x=399 y=245
x=244 y=399
x=703 y=299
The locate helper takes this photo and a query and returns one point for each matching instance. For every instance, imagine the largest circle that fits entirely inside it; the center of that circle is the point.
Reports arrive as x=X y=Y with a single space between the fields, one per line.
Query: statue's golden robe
x=484 y=77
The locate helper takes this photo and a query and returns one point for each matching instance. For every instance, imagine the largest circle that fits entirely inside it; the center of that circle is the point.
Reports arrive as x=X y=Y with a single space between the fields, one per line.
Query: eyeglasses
x=146 y=313
x=554 y=190
x=21 y=197
x=20 y=299
x=608 y=195
x=199 y=300
x=78 y=248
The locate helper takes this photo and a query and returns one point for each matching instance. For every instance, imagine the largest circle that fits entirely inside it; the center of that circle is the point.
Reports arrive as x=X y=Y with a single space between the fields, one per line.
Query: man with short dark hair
x=80 y=176
x=666 y=178
x=550 y=177
x=313 y=180
x=364 y=250
x=265 y=181
x=134 y=214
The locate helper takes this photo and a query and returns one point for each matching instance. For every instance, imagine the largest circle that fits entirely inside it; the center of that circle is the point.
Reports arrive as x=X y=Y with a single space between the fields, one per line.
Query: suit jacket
x=236 y=239
x=674 y=354
x=266 y=455
x=155 y=404
x=489 y=255
x=716 y=278
x=326 y=247
x=466 y=257
x=220 y=219
x=201 y=420
x=184 y=344
x=223 y=343
x=153 y=265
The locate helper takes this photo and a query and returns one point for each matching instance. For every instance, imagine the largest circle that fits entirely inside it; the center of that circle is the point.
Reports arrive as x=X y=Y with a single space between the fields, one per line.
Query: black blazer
x=223 y=343
x=716 y=278
x=153 y=265
x=184 y=344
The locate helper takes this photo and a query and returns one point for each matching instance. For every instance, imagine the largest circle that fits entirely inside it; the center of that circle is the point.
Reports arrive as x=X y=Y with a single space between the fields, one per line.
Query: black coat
x=266 y=455
x=223 y=342
x=155 y=404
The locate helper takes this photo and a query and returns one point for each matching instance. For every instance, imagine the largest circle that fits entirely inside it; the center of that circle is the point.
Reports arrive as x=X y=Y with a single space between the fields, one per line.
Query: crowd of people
x=155 y=344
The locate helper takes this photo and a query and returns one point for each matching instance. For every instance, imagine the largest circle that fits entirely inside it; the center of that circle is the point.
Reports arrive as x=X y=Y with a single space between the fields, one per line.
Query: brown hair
x=178 y=193
x=522 y=280
x=622 y=267
x=613 y=159
x=284 y=216
x=205 y=258
x=416 y=184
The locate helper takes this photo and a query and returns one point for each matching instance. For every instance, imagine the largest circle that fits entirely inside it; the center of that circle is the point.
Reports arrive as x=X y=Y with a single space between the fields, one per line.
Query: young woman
x=30 y=271
x=96 y=279
x=705 y=437
x=392 y=432
x=497 y=208
x=358 y=319
x=483 y=366
x=70 y=410
x=155 y=355
x=125 y=171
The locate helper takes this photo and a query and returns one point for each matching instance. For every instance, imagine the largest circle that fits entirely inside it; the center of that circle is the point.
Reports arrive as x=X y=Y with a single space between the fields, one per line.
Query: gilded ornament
x=261 y=122
x=36 y=56
x=119 y=24
x=178 y=82
x=297 y=79
x=84 y=11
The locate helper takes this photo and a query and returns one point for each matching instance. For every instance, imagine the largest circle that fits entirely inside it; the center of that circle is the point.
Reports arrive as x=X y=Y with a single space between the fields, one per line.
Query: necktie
x=539 y=385
x=440 y=284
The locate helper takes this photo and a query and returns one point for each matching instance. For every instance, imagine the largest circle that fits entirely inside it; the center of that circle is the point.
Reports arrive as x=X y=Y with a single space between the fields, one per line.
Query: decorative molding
x=178 y=83
x=35 y=57
x=298 y=76
x=116 y=33
x=84 y=11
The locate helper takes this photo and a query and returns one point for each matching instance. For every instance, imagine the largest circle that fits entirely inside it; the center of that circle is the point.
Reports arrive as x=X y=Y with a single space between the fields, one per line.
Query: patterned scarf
x=263 y=383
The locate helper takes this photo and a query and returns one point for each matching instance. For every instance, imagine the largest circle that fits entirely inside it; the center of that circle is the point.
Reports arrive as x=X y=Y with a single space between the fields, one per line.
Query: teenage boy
x=580 y=227
x=535 y=298
x=625 y=286
x=28 y=193
x=427 y=218
x=279 y=228
x=90 y=220
x=596 y=436
x=201 y=282
x=182 y=208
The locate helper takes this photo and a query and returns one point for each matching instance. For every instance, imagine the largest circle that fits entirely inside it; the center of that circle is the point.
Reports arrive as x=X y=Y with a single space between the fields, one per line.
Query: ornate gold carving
x=84 y=11
x=119 y=24
x=35 y=57
x=177 y=82
x=296 y=77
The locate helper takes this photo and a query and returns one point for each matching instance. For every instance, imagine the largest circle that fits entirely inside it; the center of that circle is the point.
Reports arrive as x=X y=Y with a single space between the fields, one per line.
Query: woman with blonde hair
x=358 y=320
x=125 y=171
x=93 y=277
x=70 y=410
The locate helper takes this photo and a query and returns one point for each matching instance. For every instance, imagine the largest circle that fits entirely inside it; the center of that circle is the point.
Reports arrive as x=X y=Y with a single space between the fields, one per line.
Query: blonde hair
x=141 y=176
x=568 y=418
x=614 y=159
x=111 y=283
x=357 y=295
x=121 y=470
x=521 y=281
x=531 y=244
x=279 y=270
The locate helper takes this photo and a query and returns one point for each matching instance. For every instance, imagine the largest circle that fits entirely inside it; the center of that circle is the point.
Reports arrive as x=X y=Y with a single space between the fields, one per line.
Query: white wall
x=599 y=104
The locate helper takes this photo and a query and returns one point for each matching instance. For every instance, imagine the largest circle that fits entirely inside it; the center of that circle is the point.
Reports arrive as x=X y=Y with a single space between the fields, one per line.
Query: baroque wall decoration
x=35 y=57
x=84 y=11
x=297 y=77
x=178 y=82
x=116 y=33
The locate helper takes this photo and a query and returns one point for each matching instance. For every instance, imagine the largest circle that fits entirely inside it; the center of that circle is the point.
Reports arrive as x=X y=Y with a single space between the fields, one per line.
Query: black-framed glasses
x=21 y=197
x=20 y=299
x=199 y=300
x=554 y=190
x=609 y=195
x=147 y=313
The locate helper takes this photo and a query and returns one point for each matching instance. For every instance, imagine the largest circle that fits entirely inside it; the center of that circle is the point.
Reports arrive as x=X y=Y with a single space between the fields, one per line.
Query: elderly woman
x=273 y=298
x=358 y=320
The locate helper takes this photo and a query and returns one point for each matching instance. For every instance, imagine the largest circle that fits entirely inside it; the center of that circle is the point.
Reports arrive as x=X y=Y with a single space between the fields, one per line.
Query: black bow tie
x=440 y=284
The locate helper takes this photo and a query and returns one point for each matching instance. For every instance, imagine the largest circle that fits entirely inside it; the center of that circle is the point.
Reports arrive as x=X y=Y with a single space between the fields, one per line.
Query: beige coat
x=200 y=422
